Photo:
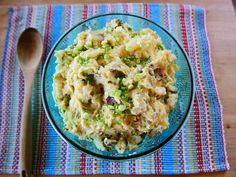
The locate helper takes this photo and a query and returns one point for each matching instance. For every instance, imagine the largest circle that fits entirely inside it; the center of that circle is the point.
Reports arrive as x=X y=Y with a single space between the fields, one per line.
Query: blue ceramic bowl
x=184 y=84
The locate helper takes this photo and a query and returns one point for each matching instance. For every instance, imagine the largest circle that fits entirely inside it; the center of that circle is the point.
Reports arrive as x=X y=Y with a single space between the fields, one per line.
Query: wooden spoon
x=29 y=51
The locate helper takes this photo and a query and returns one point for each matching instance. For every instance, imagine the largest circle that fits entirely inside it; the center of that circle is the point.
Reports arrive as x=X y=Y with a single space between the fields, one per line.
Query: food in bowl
x=114 y=86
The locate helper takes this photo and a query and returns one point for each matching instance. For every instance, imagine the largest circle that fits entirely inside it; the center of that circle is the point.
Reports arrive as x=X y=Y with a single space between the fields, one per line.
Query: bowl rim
x=80 y=148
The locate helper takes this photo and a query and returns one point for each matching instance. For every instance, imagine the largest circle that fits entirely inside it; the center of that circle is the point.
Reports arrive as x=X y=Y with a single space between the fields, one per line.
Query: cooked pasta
x=114 y=86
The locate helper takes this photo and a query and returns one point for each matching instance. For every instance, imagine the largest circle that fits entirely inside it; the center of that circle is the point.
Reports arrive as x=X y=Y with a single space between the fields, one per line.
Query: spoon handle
x=26 y=131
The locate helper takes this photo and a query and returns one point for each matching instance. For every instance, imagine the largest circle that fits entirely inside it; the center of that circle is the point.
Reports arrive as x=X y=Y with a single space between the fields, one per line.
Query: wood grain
x=221 y=25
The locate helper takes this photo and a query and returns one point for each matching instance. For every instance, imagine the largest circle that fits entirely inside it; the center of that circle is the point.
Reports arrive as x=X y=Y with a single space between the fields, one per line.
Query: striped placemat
x=198 y=147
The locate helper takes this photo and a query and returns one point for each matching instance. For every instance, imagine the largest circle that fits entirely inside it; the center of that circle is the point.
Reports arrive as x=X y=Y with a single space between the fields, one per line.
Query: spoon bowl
x=29 y=49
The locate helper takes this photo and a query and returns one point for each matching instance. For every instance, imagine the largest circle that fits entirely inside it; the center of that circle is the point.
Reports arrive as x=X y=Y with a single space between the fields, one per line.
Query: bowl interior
x=184 y=84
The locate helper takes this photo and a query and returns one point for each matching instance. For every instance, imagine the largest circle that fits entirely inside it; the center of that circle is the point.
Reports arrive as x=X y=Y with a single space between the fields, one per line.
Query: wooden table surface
x=221 y=25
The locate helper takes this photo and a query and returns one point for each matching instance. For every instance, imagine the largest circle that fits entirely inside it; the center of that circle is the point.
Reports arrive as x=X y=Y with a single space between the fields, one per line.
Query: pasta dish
x=114 y=86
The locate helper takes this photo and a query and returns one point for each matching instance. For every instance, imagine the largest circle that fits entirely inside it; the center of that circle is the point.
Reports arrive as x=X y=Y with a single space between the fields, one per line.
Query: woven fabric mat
x=198 y=147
